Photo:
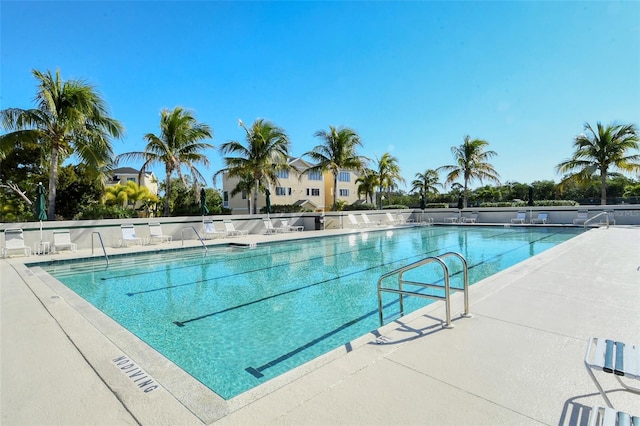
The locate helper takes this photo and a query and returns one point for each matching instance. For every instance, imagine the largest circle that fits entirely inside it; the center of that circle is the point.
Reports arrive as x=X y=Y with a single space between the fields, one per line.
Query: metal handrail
x=197 y=235
x=447 y=288
x=101 y=244
x=606 y=214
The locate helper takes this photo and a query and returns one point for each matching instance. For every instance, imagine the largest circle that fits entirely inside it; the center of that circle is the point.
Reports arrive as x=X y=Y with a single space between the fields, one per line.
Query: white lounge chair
x=62 y=239
x=617 y=358
x=520 y=217
x=542 y=218
x=14 y=240
x=209 y=228
x=581 y=218
x=367 y=222
x=155 y=233
x=291 y=228
x=129 y=236
x=472 y=218
x=392 y=220
x=354 y=222
x=270 y=229
x=605 y=416
x=232 y=231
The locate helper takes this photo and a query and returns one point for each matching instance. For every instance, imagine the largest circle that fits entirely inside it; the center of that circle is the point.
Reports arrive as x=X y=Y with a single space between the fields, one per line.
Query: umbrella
x=422 y=205
x=530 y=196
x=268 y=201
x=41 y=207
x=460 y=204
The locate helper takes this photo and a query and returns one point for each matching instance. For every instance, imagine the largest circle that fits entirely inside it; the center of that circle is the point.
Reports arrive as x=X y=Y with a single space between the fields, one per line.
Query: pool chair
x=270 y=229
x=605 y=416
x=155 y=233
x=129 y=236
x=367 y=222
x=581 y=218
x=354 y=222
x=472 y=218
x=291 y=228
x=616 y=358
x=520 y=217
x=209 y=229
x=232 y=231
x=392 y=220
x=14 y=241
x=542 y=218
x=62 y=240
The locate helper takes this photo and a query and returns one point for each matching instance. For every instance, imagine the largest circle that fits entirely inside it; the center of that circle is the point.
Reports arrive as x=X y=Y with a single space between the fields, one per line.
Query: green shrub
x=395 y=207
x=101 y=211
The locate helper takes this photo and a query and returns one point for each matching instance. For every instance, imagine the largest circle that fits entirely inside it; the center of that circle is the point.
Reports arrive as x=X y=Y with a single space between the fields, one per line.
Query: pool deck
x=518 y=360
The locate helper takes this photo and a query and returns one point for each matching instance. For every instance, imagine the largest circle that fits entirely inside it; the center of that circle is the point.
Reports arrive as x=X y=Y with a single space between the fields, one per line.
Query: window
x=313 y=192
x=281 y=190
x=131 y=179
x=244 y=195
x=344 y=177
x=314 y=175
x=344 y=192
x=282 y=174
x=225 y=199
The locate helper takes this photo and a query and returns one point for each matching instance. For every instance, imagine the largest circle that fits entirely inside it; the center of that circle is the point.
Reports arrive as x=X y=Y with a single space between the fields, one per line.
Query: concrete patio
x=519 y=360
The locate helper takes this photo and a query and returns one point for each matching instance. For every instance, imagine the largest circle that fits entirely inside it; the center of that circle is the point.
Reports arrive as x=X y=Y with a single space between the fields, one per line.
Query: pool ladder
x=104 y=251
x=446 y=286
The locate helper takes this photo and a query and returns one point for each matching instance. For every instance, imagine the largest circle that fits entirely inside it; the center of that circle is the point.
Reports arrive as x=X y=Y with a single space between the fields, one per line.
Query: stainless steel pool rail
x=605 y=214
x=197 y=235
x=446 y=286
x=101 y=245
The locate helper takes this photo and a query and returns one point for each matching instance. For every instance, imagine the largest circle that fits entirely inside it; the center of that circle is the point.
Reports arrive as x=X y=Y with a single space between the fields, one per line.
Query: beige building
x=123 y=175
x=312 y=191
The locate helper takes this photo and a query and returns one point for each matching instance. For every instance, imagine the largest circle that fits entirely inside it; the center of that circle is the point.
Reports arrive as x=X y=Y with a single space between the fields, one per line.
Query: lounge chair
x=617 y=358
x=129 y=236
x=354 y=222
x=581 y=218
x=605 y=416
x=542 y=218
x=232 y=231
x=155 y=233
x=291 y=228
x=473 y=218
x=209 y=228
x=367 y=222
x=14 y=240
x=520 y=217
x=270 y=229
x=391 y=220
x=62 y=239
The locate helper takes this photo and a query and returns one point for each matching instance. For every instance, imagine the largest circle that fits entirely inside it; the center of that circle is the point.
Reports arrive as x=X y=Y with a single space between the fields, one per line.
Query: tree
x=266 y=152
x=178 y=146
x=129 y=194
x=471 y=164
x=598 y=152
x=338 y=152
x=70 y=118
x=426 y=183
x=388 y=174
x=368 y=181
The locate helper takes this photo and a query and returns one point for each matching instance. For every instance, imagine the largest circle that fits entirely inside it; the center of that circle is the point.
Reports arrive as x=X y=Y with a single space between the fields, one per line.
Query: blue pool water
x=235 y=317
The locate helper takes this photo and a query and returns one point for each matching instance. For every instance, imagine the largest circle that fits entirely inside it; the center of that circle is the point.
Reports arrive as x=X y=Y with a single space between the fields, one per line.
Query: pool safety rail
x=104 y=251
x=601 y=214
x=197 y=235
x=444 y=285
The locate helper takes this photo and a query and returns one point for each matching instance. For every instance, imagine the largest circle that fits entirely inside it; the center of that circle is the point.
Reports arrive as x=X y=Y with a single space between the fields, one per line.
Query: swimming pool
x=234 y=318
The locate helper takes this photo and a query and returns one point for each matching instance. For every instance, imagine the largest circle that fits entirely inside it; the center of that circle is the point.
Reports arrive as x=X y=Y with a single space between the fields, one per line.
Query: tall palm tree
x=388 y=174
x=266 y=152
x=338 y=152
x=178 y=146
x=471 y=164
x=597 y=152
x=426 y=183
x=368 y=181
x=70 y=118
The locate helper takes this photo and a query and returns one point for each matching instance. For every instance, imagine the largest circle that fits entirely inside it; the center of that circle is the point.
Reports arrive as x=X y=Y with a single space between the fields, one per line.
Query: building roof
x=125 y=171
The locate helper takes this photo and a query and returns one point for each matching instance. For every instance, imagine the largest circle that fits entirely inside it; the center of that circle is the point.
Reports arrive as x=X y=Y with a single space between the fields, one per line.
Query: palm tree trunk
x=255 y=197
x=335 y=191
x=603 y=184
x=167 y=195
x=53 y=178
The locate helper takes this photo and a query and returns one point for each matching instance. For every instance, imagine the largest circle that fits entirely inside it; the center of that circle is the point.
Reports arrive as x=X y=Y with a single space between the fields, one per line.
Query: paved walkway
x=517 y=361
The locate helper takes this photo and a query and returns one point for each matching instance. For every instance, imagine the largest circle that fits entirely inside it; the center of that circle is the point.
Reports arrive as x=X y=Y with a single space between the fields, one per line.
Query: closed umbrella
x=422 y=204
x=530 y=196
x=41 y=206
x=460 y=203
x=268 y=201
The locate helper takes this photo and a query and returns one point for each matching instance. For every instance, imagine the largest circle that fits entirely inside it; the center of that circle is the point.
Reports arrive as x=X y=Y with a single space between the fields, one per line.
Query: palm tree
x=266 y=152
x=178 y=145
x=471 y=164
x=426 y=183
x=597 y=152
x=70 y=118
x=337 y=152
x=368 y=181
x=388 y=174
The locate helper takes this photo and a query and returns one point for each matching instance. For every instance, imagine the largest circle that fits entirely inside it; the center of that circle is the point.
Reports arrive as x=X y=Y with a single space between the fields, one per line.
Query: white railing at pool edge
x=197 y=235
x=101 y=244
x=605 y=214
x=447 y=287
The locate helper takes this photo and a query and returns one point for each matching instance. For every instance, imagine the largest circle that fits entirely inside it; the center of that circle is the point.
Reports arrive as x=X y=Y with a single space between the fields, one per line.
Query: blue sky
x=412 y=78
